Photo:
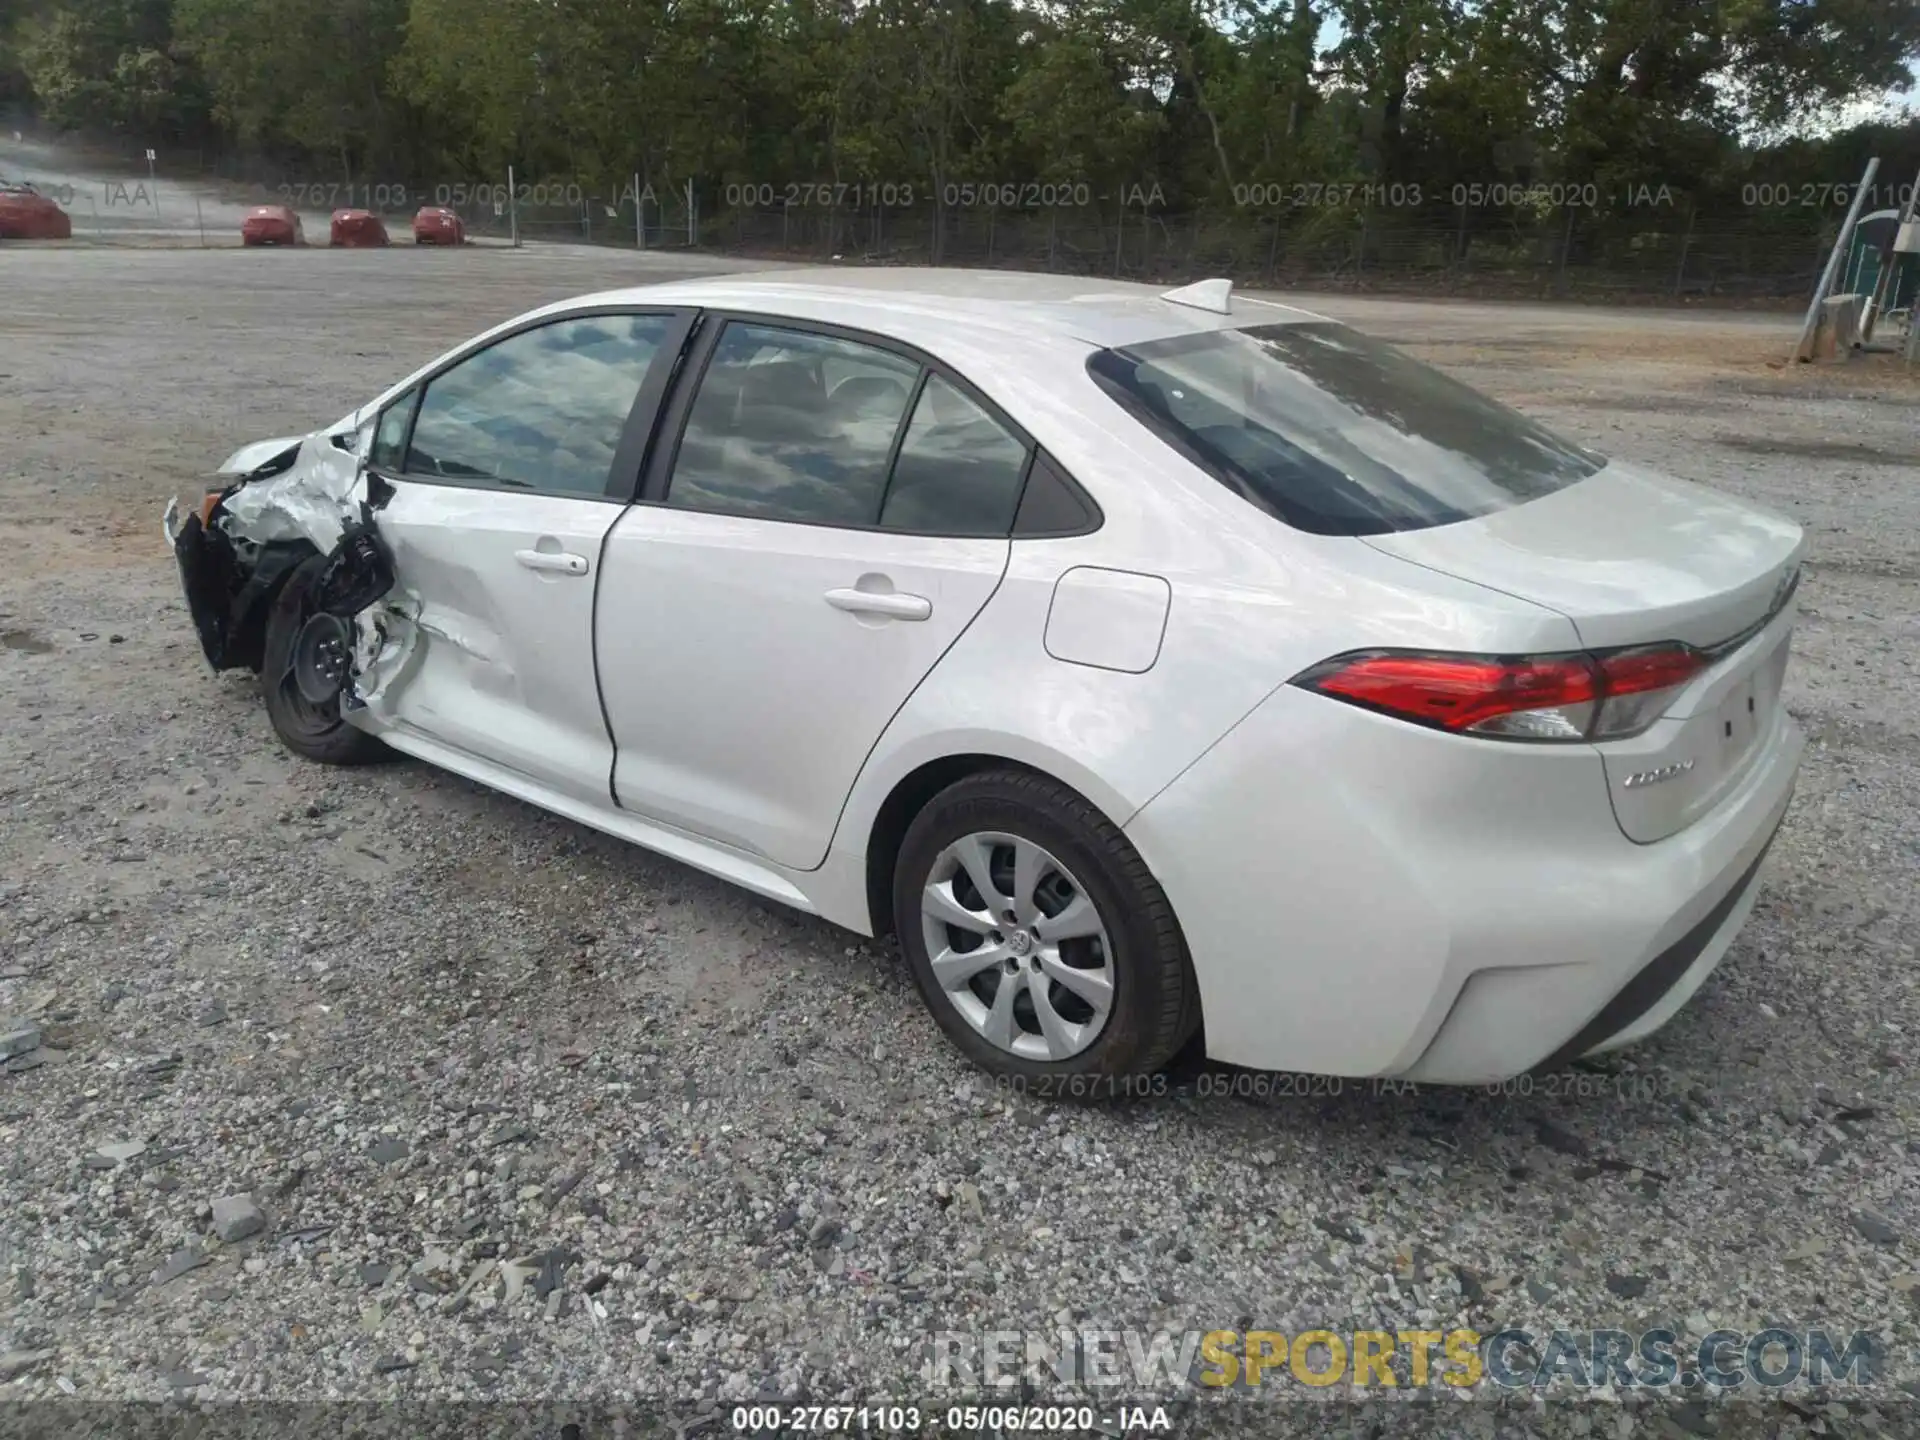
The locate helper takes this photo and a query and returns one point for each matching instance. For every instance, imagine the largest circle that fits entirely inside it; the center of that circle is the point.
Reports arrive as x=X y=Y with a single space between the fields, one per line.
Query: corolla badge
x=1654 y=777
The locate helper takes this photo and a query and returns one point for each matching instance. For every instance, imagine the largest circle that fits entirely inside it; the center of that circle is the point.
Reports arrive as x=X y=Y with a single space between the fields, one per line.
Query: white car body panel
x=741 y=870
x=308 y=501
x=500 y=662
x=1348 y=875
x=742 y=701
x=253 y=456
x=1360 y=895
x=1629 y=556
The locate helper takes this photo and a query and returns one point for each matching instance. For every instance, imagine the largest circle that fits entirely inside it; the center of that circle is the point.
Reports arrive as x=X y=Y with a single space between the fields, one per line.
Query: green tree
x=108 y=65
x=310 y=74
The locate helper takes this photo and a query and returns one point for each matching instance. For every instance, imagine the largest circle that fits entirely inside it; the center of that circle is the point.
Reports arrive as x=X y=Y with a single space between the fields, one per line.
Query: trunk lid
x=1632 y=557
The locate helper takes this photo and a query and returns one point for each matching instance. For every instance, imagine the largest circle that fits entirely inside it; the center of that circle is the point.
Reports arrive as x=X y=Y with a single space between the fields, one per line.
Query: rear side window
x=789 y=425
x=1335 y=433
x=959 y=471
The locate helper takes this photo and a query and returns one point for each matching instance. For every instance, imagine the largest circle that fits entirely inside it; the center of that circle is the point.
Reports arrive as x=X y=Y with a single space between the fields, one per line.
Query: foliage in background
x=1186 y=102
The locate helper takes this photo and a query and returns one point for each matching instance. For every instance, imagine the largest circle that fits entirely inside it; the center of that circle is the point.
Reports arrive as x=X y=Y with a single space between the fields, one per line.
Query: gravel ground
x=376 y=1085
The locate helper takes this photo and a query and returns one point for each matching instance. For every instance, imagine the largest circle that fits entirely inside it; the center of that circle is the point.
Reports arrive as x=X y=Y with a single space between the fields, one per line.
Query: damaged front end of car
x=277 y=504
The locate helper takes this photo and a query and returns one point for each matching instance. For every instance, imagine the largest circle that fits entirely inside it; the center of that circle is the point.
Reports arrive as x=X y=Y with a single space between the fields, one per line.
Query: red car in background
x=272 y=225
x=26 y=214
x=358 y=227
x=437 y=225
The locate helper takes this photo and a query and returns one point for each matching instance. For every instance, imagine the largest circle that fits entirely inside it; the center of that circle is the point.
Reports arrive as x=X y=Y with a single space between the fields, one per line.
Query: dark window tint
x=541 y=410
x=958 y=472
x=1335 y=433
x=390 y=435
x=792 y=426
x=1051 y=504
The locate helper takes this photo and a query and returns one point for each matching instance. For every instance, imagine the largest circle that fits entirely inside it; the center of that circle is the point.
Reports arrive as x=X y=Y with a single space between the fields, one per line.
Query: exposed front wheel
x=297 y=651
x=1036 y=934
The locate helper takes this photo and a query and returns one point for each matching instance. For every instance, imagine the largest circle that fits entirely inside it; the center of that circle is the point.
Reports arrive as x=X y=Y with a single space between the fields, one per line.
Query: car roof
x=915 y=304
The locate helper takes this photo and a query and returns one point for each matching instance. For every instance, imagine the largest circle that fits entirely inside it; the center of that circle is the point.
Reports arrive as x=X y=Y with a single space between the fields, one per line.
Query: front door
x=833 y=518
x=505 y=483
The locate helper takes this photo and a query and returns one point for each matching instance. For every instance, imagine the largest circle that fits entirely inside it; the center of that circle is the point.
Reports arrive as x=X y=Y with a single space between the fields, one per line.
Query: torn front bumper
x=228 y=594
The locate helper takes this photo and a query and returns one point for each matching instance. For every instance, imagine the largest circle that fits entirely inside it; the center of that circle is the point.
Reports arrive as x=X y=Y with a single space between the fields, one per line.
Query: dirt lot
x=428 y=1028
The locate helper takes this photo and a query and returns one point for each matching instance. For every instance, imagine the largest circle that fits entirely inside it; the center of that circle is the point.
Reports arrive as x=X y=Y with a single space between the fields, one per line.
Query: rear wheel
x=1037 y=936
x=309 y=727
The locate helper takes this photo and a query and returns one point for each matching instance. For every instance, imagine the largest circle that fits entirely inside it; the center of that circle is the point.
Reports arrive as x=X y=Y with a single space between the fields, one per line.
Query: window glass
x=1335 y=433
x=541 y=410
x=1050 y=503
x=390 y=435
x=792 y=426
x=959 y=471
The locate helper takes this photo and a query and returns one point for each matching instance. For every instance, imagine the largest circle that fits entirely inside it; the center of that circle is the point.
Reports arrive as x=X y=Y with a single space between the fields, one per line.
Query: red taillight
x=1638 y=683
x=1457 y=692
x=1526 y=697
x=1650 y=667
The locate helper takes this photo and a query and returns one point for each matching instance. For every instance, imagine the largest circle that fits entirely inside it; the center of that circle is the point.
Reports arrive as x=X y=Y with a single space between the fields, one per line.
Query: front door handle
x=890 y=603
x=555 y=560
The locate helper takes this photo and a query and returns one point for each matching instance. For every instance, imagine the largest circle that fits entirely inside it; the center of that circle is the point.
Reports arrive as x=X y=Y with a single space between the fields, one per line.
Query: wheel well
x=908 y=799
x=254 y=605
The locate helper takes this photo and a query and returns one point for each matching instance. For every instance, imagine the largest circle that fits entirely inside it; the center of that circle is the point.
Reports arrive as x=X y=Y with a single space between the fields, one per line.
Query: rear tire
x=315 y=731
x=1077 y=932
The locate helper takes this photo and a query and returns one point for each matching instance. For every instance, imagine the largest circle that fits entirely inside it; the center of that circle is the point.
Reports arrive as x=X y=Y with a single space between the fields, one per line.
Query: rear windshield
x=1334 y=433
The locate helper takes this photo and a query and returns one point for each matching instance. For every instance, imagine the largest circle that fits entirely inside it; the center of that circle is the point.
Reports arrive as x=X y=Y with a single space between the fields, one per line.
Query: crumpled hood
x=249 y=458
x=311 y=498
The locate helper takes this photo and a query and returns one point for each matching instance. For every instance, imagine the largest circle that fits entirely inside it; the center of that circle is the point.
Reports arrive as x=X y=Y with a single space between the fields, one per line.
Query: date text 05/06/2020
x=899 y=1419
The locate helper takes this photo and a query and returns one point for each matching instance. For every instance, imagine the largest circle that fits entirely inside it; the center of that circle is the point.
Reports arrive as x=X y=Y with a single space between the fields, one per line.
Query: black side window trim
x=673 y=427
x=636 y=432
x=900 y=440
x=412 y=401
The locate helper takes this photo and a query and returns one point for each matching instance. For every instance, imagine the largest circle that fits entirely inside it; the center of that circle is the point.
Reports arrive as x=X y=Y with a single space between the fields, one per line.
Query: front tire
x=1038 y=938
x=316 y=731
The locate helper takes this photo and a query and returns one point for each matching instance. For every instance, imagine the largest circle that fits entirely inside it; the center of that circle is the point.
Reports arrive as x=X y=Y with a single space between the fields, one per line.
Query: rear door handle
x=890 y=603
x=556 y=560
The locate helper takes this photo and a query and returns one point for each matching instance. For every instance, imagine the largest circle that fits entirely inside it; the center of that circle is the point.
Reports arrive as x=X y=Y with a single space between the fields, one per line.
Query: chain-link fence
x=1675 y=249
x=1675 y=254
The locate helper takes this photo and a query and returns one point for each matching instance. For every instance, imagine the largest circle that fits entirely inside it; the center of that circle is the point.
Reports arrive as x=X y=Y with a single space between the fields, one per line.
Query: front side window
x=789 y=425
x=1335 y=433
x=959 y=471
x=541 y=410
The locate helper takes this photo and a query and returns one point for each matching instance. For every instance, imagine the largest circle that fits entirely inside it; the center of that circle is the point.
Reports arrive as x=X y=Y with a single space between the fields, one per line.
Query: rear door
x=830 y=519
x=508 y=468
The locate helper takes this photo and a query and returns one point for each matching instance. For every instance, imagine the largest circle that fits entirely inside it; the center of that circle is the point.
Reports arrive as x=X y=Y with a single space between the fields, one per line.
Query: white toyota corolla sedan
x=1149 y=663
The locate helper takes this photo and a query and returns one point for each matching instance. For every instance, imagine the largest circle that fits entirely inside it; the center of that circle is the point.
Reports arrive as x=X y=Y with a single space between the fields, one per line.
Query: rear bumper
x=1367 y=898
x=1665 y=983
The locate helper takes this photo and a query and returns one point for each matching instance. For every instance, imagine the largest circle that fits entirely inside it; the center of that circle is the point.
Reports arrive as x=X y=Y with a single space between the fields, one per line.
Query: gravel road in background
x=376 y=1084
